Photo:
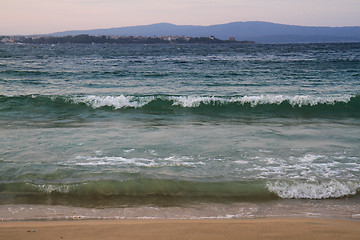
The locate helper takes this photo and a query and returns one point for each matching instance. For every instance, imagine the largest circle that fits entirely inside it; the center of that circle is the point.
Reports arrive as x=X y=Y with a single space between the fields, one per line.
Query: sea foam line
x=114 y=101
x=313 y=189
x=123 y=101
x=172 y=161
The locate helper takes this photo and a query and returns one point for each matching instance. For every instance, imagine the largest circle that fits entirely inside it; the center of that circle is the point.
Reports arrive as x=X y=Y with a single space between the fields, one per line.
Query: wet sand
x=267 y=228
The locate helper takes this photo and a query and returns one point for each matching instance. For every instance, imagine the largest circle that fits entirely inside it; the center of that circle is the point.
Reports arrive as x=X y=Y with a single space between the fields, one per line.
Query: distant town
x=88 y=39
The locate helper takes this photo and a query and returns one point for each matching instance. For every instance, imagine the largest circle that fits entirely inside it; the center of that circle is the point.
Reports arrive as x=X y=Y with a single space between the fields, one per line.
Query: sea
x=179 y=131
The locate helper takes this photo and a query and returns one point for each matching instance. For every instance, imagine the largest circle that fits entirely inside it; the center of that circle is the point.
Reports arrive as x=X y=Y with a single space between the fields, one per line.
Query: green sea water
x=108 y=125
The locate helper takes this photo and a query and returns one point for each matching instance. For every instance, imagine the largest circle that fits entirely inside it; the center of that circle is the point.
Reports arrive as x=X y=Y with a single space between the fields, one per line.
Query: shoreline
x=346 y=209
x=264 y=228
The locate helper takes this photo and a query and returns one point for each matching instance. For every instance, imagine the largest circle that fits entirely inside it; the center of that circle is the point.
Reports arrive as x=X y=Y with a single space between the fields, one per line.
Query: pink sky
x=47 y=16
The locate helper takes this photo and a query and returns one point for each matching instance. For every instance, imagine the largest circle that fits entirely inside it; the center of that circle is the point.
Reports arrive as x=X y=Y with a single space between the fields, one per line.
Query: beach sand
x=269 y=228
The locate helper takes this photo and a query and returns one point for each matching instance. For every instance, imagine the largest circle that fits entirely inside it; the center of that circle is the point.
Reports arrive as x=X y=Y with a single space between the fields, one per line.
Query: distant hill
x=261 y=32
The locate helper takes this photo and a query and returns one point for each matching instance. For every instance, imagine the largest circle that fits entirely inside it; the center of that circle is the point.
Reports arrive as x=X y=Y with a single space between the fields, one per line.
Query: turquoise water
x=118 y=125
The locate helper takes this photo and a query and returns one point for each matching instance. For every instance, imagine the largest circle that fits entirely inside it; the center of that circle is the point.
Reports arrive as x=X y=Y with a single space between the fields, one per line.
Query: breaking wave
x=232 y=190
x=280 y=105
x=314 y=190
x=122 y=101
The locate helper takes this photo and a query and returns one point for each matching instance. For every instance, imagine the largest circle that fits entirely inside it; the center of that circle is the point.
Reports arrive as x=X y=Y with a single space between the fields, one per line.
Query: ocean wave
x=278 y=105
x=195 y=101
x=313 y=189
x=143 y=187
x=235 y=190
x=117 y=102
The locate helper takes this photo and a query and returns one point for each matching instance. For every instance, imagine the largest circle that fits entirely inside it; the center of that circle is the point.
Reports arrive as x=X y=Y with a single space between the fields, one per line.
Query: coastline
x=347 y=208
x=267 y=228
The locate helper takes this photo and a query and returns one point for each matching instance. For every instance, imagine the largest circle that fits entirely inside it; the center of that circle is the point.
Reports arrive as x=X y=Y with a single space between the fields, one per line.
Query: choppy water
x=118 y=125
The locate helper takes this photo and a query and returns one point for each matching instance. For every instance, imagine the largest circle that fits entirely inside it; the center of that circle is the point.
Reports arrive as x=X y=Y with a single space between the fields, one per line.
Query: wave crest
x=235 y=190
x=116 y=102
x=297 y=100
x=195 y=101
x=313 y=190
x=336 y=106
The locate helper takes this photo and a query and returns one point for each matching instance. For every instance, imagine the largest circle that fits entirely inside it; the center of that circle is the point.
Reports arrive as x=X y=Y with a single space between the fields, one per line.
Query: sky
x=22 y=17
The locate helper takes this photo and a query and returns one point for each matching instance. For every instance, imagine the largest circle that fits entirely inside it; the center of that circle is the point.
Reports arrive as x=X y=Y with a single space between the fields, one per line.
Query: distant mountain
x=261 y=32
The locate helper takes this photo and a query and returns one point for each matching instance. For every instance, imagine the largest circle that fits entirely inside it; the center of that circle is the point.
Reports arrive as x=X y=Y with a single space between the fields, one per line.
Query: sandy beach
x=273 y=228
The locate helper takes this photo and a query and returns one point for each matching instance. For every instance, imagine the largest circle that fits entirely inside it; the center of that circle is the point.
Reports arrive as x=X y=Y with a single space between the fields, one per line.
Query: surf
x=238 y=106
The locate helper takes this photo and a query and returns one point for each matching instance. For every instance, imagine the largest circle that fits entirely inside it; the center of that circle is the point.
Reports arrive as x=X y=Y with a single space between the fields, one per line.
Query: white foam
x=116 y=102
x=173 y=161
x=110 y=161
x=241 y=162
x=50 y=188
x=193 y=101
x=122 y=101
x=308 y=158
x=129 y=150
x=313 y=189
x=307 y=166
x=297 y=100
